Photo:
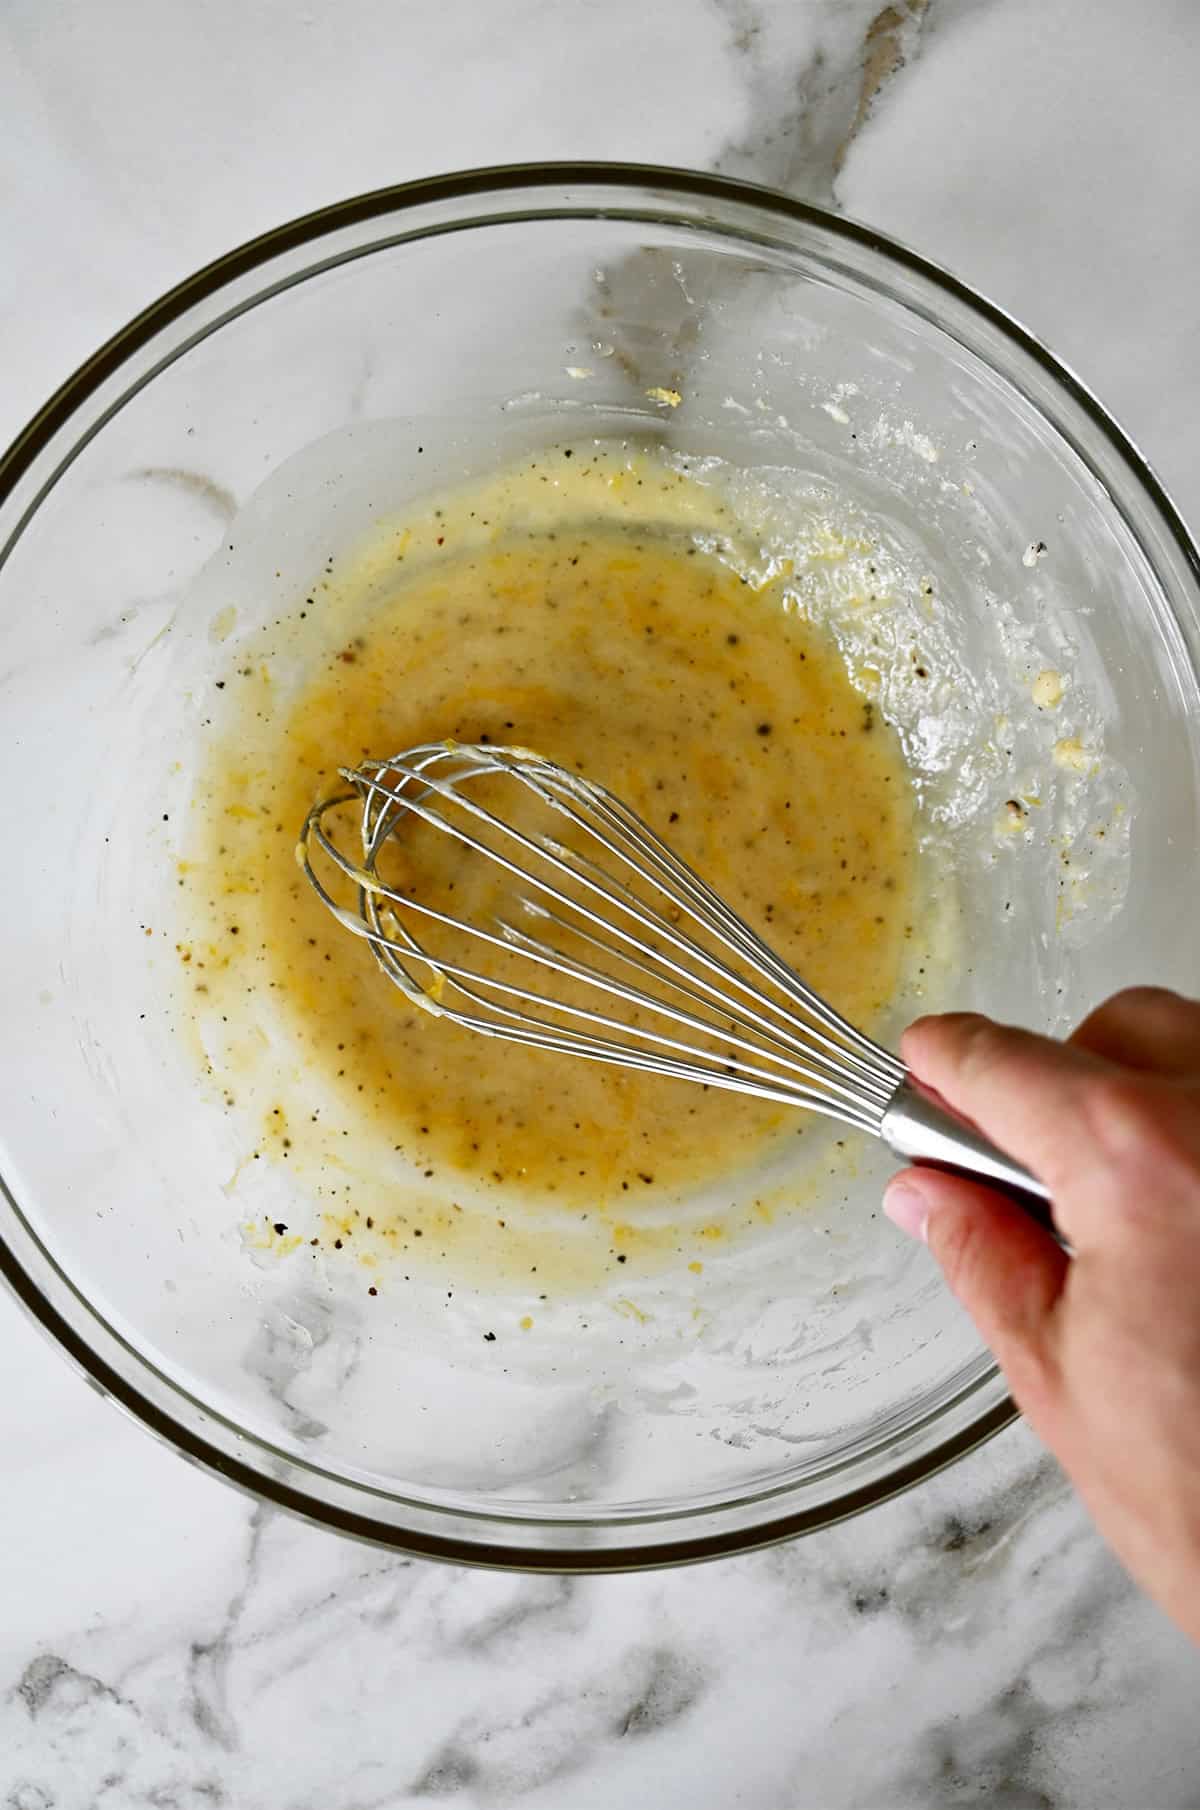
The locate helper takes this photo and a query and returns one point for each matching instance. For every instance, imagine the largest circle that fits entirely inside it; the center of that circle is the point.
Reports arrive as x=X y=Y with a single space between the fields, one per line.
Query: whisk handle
x=920 y=1129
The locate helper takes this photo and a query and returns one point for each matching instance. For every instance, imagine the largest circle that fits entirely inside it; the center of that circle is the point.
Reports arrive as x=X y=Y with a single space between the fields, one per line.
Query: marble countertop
x=165 y=1643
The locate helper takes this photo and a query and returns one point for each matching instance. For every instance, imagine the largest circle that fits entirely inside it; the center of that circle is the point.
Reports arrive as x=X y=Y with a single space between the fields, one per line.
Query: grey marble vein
x=807 y=79
x=807 y=96
x=208 y=1663
x=195 y=484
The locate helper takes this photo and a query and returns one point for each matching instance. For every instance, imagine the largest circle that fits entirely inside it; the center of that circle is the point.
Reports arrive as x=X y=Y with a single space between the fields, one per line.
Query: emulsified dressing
x=550 y=610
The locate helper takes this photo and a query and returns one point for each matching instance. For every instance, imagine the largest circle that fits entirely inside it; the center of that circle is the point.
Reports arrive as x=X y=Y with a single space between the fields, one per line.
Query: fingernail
x=906 y=1207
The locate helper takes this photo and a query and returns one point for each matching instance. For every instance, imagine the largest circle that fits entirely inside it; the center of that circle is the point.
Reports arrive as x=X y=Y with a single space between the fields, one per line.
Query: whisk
x=596 y=909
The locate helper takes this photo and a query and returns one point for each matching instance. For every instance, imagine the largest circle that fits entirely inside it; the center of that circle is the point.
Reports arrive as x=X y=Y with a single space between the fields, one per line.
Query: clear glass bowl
x=257 y=419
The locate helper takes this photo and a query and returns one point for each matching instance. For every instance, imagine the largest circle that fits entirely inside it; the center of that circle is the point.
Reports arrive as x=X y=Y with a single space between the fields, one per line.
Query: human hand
x=1101 y=1350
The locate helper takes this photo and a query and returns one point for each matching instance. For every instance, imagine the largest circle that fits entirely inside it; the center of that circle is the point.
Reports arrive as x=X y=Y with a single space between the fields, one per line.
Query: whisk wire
x=815 y=1074
x=705 y=905
x=763 y=1045
x=878 y=1071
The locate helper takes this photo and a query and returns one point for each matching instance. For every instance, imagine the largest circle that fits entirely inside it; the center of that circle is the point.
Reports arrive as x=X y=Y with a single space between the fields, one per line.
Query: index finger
x=1027 y=1093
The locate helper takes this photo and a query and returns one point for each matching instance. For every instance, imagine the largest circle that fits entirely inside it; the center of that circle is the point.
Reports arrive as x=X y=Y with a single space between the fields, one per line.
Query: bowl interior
x=262 y=424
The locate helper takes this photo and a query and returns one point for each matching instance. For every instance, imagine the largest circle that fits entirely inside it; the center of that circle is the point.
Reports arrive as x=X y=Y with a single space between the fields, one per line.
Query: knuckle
x=985 y=1045
x=1146 y=1134
x=1013 y=1320
x=1121 y=1115
x=1144 y=996
x=1144 y=1001
x=953 y=1237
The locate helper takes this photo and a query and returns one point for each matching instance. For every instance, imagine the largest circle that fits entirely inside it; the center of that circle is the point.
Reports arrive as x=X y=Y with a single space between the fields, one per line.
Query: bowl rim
x=55 y=415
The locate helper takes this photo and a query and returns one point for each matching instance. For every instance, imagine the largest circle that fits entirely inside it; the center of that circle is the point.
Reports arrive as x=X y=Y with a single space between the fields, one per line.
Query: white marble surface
x=164 y=1643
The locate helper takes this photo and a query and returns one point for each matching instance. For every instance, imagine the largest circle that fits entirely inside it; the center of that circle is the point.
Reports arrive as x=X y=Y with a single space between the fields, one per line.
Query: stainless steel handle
x=921 y=1130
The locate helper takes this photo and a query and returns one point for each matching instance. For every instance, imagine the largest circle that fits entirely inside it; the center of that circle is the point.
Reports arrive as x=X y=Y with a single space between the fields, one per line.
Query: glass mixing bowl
x=201 y=468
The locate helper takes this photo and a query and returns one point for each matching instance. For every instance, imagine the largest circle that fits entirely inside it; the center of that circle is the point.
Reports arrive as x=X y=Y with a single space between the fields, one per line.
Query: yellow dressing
x=609 y=644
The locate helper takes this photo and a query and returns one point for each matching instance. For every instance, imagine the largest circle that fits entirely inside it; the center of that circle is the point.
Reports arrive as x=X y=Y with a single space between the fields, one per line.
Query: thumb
x=1005 y=1270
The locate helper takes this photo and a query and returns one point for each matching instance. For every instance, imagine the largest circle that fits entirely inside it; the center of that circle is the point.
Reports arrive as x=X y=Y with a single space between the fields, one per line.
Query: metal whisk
x=596 y=909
